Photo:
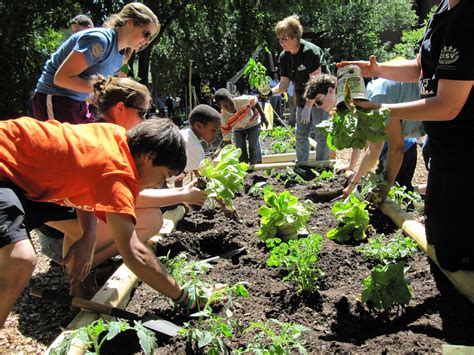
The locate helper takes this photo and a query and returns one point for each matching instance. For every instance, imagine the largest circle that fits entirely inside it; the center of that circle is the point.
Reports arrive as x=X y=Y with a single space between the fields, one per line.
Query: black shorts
x=18 y=215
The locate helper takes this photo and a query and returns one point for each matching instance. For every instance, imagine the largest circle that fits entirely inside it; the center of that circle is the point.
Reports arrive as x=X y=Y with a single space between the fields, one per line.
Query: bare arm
x=166 y=197
x=67 y=75
x=404 y=70
x=139 y=258
x=78 y=258
x=445 y=106
x=395 y=149
x=369 y=160
x=282 y=86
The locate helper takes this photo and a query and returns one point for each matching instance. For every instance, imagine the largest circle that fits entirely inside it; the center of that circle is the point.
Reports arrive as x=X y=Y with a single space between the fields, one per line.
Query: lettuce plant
x=226 y=177
x=353 y=220
x=386 y=286
x=353 y=127
x=283 y=215
x=298 y=258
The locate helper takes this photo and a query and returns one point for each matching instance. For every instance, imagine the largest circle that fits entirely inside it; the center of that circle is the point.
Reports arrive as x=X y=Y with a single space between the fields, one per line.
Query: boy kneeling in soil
x=97 y=168
x=242 y=116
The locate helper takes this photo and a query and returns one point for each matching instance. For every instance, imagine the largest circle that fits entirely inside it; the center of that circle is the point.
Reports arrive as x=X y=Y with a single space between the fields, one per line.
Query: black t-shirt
x=447 y=52
x=297 y=67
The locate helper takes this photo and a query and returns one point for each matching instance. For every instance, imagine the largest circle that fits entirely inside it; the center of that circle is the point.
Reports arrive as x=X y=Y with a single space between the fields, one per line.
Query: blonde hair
x=139 y=14
x=111 y=90
x=290 y=26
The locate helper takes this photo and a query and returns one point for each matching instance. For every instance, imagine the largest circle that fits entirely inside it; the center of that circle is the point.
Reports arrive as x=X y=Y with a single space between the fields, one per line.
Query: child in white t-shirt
x=204 y=122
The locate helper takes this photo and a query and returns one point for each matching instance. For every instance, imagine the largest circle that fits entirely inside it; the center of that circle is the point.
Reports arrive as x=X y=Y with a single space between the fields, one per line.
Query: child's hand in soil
x=193 y=195
x=198 y=298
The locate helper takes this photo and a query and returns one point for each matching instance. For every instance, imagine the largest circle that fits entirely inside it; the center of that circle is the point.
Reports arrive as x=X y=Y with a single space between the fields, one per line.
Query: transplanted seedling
x=275 y=337
x=225 y=178
x=383 y=251
x=93 y=336
x=283 y=215
x=211 y=330
x=299 y=258
x=386 y=287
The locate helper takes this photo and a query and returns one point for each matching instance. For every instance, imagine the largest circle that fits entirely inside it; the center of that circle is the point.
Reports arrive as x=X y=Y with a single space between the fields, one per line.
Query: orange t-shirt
x=88 y=167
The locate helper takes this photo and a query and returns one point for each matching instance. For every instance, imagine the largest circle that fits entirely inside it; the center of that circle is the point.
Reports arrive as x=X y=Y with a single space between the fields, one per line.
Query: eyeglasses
x=319 y=101
x=283 y=39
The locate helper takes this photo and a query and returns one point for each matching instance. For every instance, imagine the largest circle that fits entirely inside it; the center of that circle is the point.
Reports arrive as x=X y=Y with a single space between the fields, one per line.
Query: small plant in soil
x=325 y=175
x=404 y=199
x=283 y=215
x=382 y=251
x=225 y=178
x=257 y=189
x=289 y=177
x=275 y=337
x=353 y=219
x=299 y=258
x=211 y=330
x=93 y=336
x=256 y=73
x=386 y=287
x=280 y=133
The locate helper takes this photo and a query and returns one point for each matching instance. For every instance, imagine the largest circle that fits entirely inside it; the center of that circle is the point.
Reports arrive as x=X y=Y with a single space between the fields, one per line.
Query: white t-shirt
x=194 y=150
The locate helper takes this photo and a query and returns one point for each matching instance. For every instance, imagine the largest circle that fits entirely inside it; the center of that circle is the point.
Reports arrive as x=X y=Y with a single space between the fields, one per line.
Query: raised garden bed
x=336 y=319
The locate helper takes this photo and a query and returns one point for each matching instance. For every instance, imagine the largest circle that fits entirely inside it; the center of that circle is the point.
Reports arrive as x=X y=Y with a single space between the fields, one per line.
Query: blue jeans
x=253 y=154
x=302 y=135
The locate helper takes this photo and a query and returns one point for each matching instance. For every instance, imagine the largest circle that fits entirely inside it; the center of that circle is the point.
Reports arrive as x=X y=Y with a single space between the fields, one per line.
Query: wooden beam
x=283 y=165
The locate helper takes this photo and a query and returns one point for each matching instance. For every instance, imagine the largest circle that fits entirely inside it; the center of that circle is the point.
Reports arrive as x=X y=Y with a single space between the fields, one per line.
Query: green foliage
x=275 y=337
x=386 y=286
x=299 y=258
x=257 y=189
x=409 y=43
x=279 y=132
x=353 y=220
x=402 y=197
x=48 y=40
x=282 y=147
x=382 y=251
x=212 y=330
x=185 y=270
x=226 y=177
x=256 y=73
x=354 y=28
x=92 y=336
x=352 y=128
x=283 y=215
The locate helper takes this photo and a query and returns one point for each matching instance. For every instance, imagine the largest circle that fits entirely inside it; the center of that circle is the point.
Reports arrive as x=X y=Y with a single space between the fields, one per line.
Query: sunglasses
x=283 y=39
x=142 y=112
x=319 y=101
